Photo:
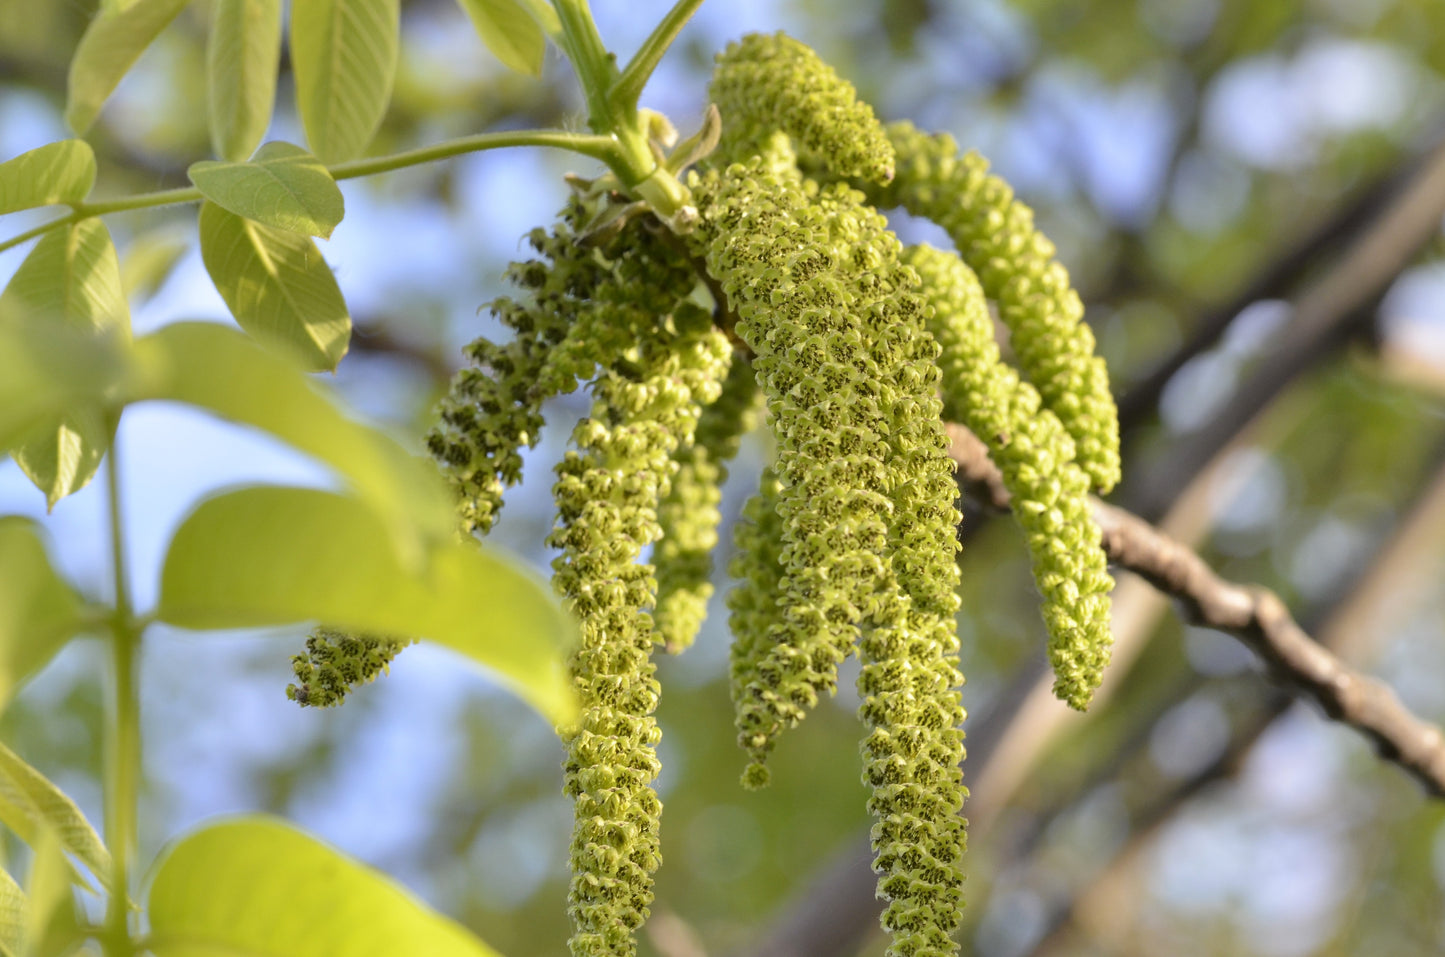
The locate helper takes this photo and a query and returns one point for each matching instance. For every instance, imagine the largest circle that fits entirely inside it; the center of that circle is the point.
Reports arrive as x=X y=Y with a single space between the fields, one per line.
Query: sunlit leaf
x=277 y=286
x=148 y=262
x=243 y=54
x=344 y=55
x=60 y=172
x=222 y=370
x=257 y=887
x=110 y=46
x=282 y=186
x=32 y=807
x=72 y=276
x=510 y=33
x=47 y=369
x=52 y=928
x=39 y=611
x=14 y=914
x=270 y=556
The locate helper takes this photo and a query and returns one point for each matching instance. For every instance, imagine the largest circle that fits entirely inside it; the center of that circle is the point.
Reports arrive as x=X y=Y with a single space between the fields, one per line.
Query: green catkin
x=689 y=514
x=337 y=661
x=646 y=403
x=864 y=539
x=781 y=261
x=1036 y=456
x=769 y=84
x=493 y=407
x=995 y=234
x=753 y=601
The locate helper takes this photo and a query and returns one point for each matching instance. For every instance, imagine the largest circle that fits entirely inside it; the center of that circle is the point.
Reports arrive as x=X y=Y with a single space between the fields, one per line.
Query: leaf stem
x=604 y=148
x=123 y=745
x=627 y=90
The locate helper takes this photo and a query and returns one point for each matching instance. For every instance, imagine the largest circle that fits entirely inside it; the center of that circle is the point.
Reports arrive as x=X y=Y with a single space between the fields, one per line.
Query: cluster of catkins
x=790 y=302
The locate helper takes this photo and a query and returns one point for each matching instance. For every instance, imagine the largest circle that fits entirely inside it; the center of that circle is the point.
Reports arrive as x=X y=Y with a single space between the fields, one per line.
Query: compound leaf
x=224 y=371
x=110 y=46
x=33 y=807
x=257 y=887
x=39 y=611
x=277 y=286
x=71 y=276
x=243 y=54
x=510 y=33
x=344 y=54
x=271 y=556
x=282 y=186
x=60 y=172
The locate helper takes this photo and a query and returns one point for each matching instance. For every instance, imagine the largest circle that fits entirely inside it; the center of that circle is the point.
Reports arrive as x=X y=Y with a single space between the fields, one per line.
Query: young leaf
x=110 y=46
x=270 y=556
x=32 y=807
x=277 y=286
x=71 y=276
x=510 y=33
x=39 y=611
x=52 y=927
x=226 y=372
x=282 y=186
x=14 y=914
x=243 y=54
x=344 y=55
x=257 y=887
x=46 y=369
x=60 y=172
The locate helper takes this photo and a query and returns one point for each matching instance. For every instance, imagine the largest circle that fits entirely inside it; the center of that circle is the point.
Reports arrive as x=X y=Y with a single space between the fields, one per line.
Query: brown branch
x=1257 y=617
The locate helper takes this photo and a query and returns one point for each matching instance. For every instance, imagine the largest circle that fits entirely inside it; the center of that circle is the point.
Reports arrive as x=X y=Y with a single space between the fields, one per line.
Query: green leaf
x=47 y=369
x=277 y=286
x=60 y=172
x=270 y=556
x=257 y=887
x=71 y=276
x=220 y=369
x=344 y=55
x=110 y=46
x=52 y=927
x=32 y=807
x=510 y=33
x=148 y=262
x=282 y=186
x=14 y=915
x=39 y=611
x=243 y=54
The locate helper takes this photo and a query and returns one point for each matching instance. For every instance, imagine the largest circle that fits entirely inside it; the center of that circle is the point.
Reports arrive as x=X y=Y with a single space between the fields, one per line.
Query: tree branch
x=1255 y=616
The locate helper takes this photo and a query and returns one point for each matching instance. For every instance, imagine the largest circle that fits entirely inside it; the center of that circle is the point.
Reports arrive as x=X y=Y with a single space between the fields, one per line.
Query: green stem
x=603 y=148
x=634 y=162
x=628 y=89
x=123 y=745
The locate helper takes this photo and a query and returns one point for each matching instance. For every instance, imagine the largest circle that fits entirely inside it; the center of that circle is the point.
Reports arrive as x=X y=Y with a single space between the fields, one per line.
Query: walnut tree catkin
x=689 y=513
x=647 y=399
x=995 y=235
x=1036 y=456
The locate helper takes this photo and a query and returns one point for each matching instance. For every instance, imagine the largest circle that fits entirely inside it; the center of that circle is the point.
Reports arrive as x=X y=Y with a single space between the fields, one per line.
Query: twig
x=1371 y=593
x=1257 y=617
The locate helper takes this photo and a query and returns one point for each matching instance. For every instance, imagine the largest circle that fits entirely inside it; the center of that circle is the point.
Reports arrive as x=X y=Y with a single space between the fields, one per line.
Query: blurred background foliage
x=1202 y=164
